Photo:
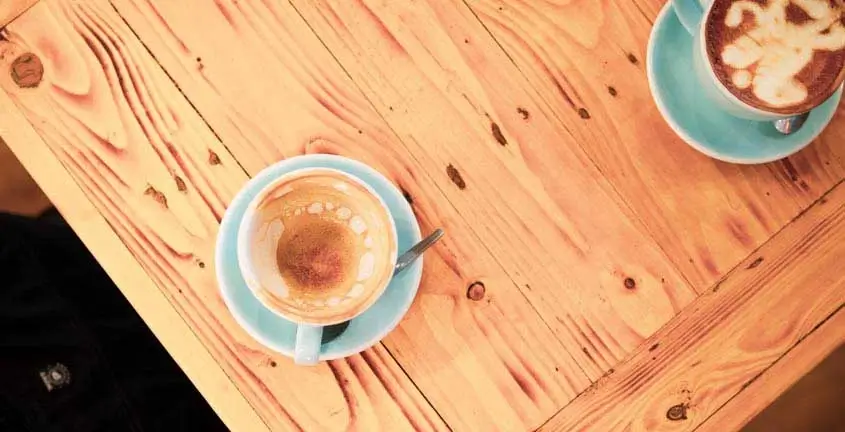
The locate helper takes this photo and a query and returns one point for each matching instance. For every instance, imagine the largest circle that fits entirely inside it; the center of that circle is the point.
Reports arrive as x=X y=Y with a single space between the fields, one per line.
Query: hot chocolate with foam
x=323 y=247
x=779 y=56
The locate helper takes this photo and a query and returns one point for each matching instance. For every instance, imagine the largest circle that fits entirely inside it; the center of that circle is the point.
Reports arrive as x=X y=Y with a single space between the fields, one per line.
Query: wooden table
x=618 y=279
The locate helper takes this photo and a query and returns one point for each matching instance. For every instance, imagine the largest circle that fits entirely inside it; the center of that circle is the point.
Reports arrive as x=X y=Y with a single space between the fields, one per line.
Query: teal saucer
x=682 y=102
x=278 y=333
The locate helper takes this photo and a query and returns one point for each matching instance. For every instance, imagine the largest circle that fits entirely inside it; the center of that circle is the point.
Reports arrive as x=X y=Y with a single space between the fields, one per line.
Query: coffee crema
x=324 y=247
x=781 y=56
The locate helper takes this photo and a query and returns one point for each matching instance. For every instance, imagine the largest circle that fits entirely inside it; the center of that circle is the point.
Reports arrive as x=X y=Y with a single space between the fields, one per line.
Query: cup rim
x=247 y=223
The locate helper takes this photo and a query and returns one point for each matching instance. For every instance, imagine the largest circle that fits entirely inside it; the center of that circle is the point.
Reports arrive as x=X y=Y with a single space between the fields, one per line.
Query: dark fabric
x=61 y=315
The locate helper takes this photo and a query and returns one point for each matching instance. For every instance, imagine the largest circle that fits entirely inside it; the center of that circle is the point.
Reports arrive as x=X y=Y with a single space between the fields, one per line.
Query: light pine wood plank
x=586 y=58
x=531 y=195
x=270 y=89
x=123 y=268
x=159 y=176
x=774 y=381
x=723 y=341
x=11 y=9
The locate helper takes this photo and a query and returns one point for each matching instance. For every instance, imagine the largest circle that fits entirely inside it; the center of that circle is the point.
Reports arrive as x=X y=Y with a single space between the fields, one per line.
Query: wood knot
x=523 y=112
x=455 y=176
x=156 y=195
x=27 y=70
x=497 y=134
x=180 y=184
x=677 y=412
x=583 y=113
x=630 y=283
x=213 y=159
x=476 y=291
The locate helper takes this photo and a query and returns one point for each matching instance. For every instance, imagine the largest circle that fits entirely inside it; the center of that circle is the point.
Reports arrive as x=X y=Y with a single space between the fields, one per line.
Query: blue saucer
x=278 y=333
x=697 y=121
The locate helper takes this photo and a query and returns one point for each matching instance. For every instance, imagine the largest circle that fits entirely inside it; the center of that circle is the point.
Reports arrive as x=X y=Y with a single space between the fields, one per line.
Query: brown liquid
x=779 y=56
x=319 y=254
x=334 y=248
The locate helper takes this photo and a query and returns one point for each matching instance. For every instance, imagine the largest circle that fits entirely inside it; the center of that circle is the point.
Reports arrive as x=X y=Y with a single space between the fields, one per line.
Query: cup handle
x=689 y=12
x=308 y=340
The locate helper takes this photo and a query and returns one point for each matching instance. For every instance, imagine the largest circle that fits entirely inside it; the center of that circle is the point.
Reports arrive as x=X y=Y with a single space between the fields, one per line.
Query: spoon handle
x=416 y=251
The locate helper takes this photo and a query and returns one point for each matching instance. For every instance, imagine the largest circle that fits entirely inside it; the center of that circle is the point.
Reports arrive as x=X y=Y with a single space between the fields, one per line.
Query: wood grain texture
x=783 y=374
x=117 y=260
x=529 y=192
x=270 y=89
x=721 y=343
x=586 y=56
x=11 y=9
x=162 y=180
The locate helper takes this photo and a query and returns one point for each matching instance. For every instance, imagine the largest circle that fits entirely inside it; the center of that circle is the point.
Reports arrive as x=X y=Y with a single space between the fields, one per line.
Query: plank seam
x=715 y=285
x=637 y=219
x=196 y=110
x=746 y=384
x=179 y=89
x=18 y=15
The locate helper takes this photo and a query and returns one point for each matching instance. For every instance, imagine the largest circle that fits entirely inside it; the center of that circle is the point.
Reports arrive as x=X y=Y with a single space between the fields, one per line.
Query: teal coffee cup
x=775 y=67
x=316 y=246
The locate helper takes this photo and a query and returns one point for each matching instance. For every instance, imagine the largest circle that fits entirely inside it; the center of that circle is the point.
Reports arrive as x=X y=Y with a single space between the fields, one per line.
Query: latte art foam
x=784 y=56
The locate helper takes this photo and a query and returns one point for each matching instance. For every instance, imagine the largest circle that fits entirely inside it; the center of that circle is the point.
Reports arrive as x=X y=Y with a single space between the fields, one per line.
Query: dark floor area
x=816 y=403
x=74 y=355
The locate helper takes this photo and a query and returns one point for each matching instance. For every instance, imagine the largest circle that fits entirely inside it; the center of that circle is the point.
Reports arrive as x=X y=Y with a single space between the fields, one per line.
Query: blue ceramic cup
x=258 y=237
x=693 y=14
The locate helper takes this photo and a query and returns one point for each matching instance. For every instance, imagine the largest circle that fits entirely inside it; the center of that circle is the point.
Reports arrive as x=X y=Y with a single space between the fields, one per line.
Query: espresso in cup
x=778 y=56
x=318 y=246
